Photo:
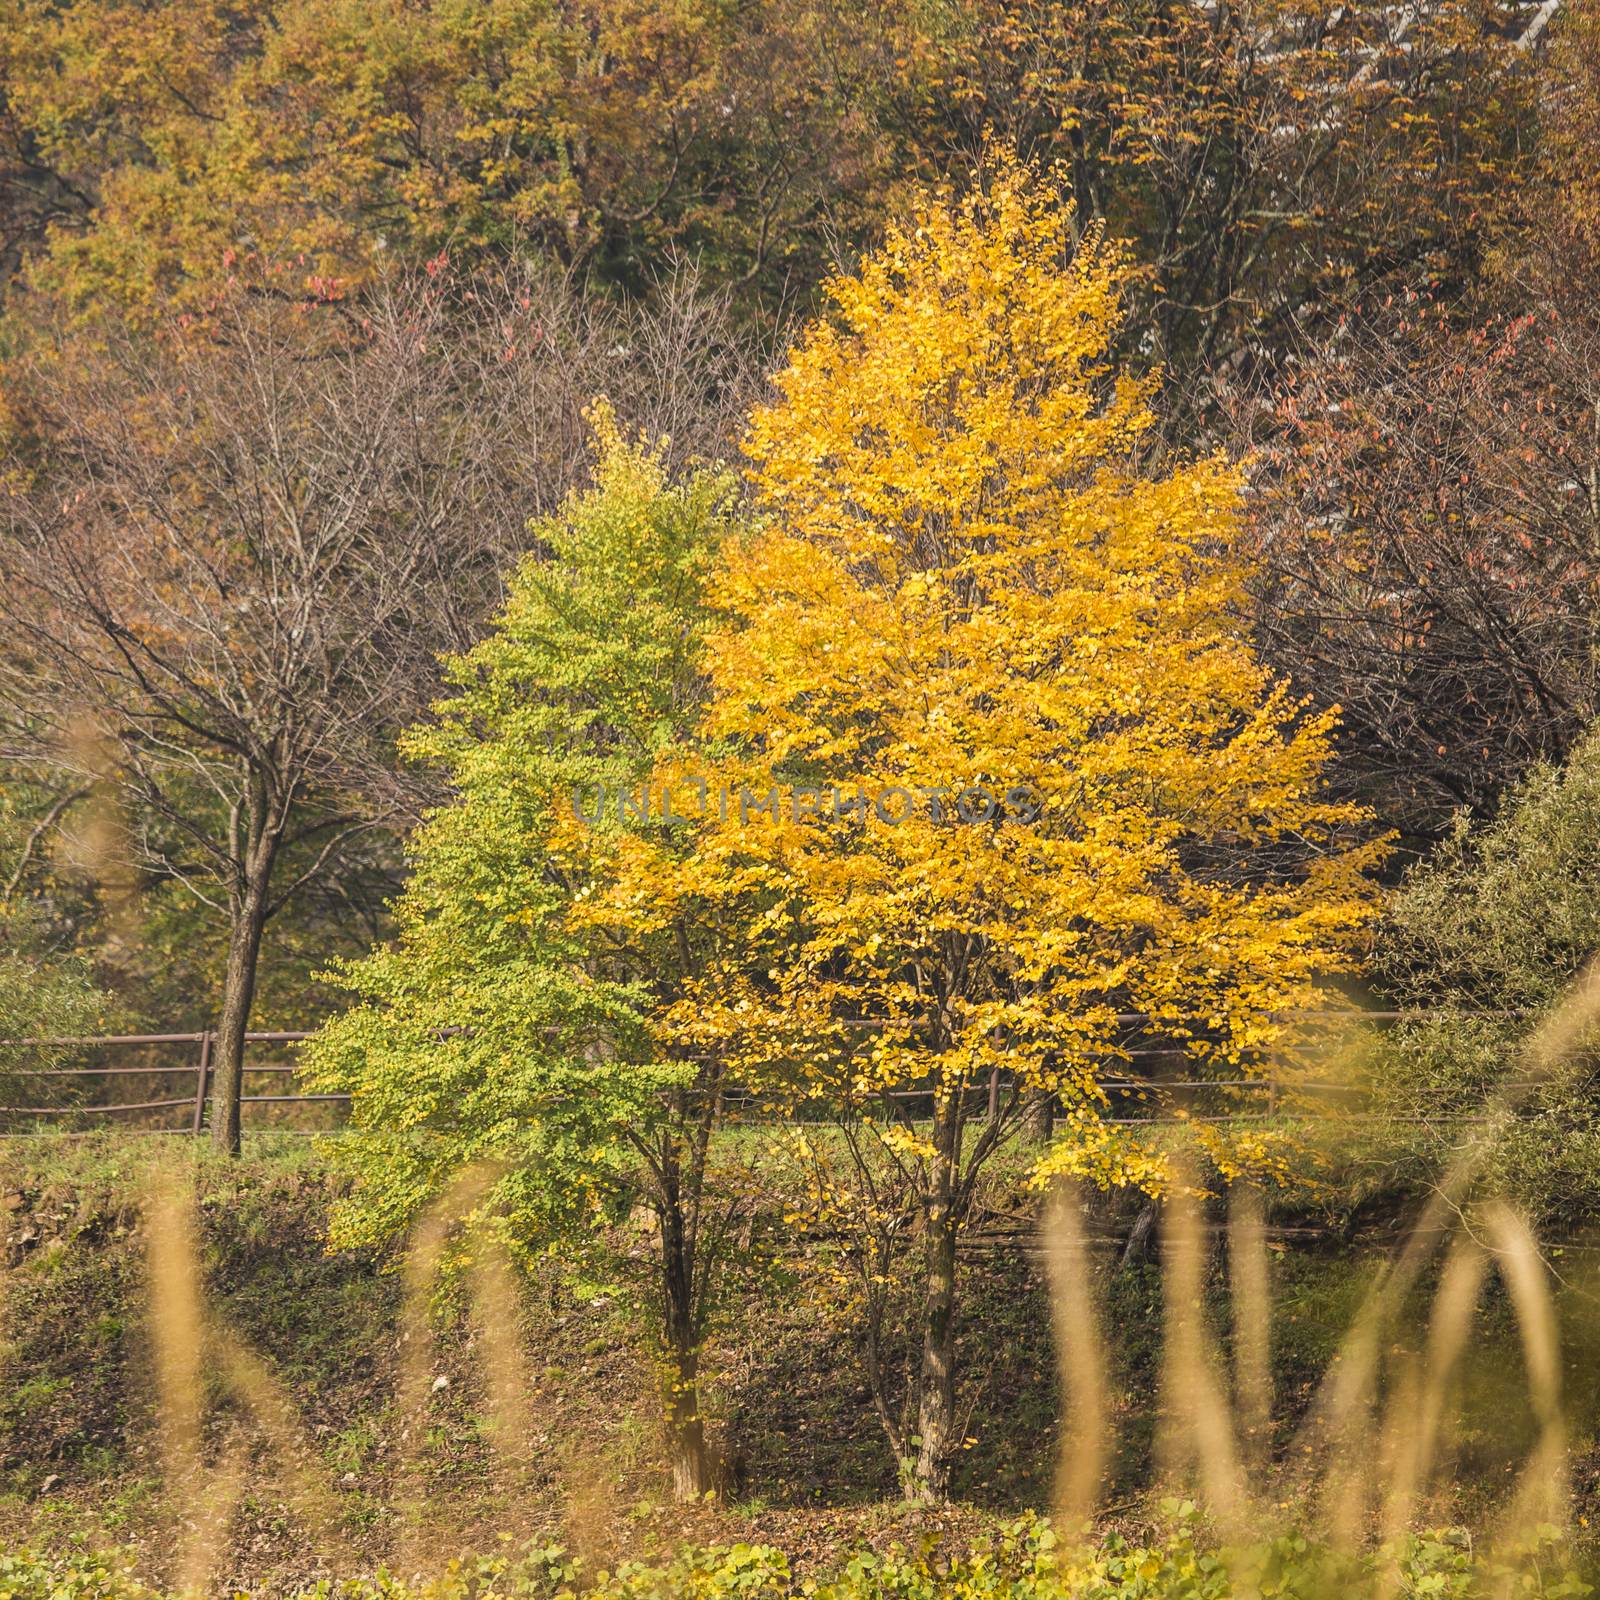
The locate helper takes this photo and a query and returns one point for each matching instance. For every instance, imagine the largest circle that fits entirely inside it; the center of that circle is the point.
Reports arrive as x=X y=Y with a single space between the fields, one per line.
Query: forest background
x=307 y=309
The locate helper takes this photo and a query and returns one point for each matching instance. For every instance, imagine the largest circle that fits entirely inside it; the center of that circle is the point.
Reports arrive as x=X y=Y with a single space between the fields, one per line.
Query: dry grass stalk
x=305 y=1483
x=1249 y=1280
x=1541 y=1494
x=184 y=1339
x=1416 y=1415
x=177 y=1332
x=1351 y=1382
x=497 y=1316
x=590 y=1504
x=415 y=1386
x=202 y=1553
x=1080 y=1360
x=1198 y=1429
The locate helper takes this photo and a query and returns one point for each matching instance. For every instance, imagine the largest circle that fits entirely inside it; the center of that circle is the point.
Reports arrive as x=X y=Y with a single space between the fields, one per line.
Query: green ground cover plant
x=1024 y=1560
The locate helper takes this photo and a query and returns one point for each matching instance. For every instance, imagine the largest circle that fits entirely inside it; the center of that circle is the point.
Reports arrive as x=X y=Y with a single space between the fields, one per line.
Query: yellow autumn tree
x=1000 y=735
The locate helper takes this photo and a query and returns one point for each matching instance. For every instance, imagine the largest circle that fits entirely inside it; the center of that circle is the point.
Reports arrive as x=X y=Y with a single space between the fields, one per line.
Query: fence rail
x=199 y=1068
x=1118 y=1083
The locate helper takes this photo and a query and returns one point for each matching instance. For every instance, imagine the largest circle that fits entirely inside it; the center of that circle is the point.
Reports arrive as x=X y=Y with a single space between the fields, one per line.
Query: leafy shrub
x=79 y=1575
x=1483 y=941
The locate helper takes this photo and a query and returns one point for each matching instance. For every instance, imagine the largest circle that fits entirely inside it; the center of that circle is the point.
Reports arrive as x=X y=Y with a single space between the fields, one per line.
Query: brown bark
x=691 y=1466
x=1039 y=1116
x=691 y=1461
x=1137 y=1248
x=936 y=1412
x=936 y=1397
x=248 y=908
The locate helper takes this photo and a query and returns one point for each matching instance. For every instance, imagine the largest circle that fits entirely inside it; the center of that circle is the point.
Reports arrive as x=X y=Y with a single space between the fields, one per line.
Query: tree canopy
x=996 y=743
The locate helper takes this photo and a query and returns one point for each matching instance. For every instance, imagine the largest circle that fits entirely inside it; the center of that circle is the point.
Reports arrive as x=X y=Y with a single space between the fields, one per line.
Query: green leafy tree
x=535 y=1010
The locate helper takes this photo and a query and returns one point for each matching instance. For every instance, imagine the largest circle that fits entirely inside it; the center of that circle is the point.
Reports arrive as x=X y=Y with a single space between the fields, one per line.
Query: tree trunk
x=1039 y=1116
x=691 y=1463
x=1137 y=1248
x=936 y=1389
x=936 y=1409
x=238 y=992
x=686 y=1436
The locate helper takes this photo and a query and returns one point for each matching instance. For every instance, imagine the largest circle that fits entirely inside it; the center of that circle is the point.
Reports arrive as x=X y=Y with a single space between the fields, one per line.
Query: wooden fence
x=186 y=1113
x=197 y=1069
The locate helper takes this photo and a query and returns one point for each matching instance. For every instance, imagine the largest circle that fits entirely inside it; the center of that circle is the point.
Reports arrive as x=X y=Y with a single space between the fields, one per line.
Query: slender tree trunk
x=936 y=1411
x=936 y=1397
x=686 y=1436
x=238 y=992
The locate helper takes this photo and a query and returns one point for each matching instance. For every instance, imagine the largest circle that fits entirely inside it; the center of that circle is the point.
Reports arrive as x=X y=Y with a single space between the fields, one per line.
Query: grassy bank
x=806 y=1468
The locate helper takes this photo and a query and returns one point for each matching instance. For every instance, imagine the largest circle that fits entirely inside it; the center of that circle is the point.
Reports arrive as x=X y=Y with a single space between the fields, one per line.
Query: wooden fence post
x=202 y=1074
